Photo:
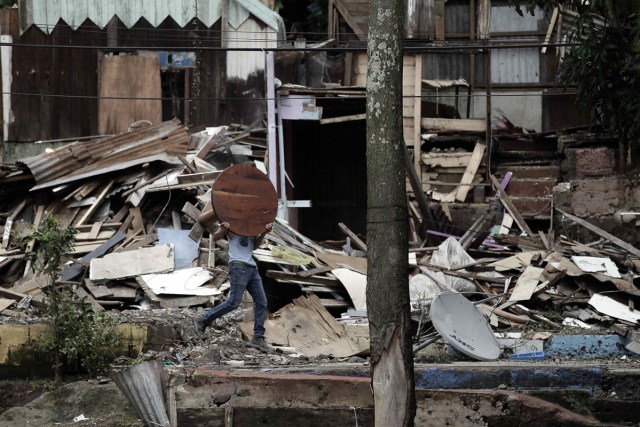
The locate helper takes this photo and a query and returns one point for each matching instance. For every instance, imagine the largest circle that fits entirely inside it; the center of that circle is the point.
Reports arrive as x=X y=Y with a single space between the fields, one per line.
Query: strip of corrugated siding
x=46 y=13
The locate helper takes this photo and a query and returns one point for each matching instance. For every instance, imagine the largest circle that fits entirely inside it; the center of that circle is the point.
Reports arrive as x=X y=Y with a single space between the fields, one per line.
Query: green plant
x=78 y=334
x=81 y=335
x=603 y=62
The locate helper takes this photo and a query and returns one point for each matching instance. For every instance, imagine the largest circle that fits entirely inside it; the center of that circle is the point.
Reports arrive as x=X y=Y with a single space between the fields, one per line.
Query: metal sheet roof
x=142 y=385
x=165 y=142
x=45 y=13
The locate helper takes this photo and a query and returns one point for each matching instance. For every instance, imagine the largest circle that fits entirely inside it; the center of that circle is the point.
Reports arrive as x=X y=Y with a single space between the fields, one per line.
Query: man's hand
x=258 y=241
x=221 y=231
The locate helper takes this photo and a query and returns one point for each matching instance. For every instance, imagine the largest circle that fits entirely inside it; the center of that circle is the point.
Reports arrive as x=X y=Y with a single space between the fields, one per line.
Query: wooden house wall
x=54 y=90
x=411 y=86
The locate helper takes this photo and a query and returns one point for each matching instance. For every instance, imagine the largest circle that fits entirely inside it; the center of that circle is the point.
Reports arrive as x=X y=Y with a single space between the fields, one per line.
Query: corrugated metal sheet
x=142 y=386
x=46 y=13
x=515 y=65
x=507 y=65
x=242 y=64
x=79 y=160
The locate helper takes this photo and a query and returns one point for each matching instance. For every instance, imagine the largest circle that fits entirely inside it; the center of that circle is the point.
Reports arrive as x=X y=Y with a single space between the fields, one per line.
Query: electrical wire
x=260 y=99
x=427 y=48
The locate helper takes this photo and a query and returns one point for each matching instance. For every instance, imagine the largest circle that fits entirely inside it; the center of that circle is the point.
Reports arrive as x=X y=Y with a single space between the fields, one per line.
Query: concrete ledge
x=19 y=357
x=218 y=398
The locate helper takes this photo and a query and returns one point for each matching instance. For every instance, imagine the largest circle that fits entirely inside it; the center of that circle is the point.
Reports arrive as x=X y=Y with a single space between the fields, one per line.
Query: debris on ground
x=136 y=200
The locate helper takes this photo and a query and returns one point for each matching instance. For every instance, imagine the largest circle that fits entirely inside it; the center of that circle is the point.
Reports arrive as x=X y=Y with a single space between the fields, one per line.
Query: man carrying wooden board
x=245 y=202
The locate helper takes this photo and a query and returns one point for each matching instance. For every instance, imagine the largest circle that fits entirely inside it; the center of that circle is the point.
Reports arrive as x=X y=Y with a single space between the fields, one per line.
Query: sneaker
x=198 y=325
x=260 y=344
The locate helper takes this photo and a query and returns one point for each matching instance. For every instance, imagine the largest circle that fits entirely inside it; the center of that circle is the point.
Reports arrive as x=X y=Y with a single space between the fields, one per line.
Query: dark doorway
x=173 y=94
x=327 y=164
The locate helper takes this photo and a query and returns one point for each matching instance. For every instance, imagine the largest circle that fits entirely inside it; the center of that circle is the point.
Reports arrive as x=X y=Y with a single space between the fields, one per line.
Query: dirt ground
x=102 y=404
x=20 y=392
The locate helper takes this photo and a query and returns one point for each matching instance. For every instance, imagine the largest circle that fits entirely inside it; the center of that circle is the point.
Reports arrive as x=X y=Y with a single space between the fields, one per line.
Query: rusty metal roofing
x=163 y=142
x=142 y=386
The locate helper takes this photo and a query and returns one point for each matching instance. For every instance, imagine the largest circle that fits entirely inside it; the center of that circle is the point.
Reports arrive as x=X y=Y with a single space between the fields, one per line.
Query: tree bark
x=392 y=373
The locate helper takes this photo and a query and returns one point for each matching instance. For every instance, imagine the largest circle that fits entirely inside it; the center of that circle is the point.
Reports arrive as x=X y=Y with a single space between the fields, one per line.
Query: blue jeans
x=243 y=277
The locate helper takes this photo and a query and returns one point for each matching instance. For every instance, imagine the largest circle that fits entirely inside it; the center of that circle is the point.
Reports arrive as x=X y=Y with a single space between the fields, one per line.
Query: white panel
x=241 y=65
x=46 y=13
x=5 y=59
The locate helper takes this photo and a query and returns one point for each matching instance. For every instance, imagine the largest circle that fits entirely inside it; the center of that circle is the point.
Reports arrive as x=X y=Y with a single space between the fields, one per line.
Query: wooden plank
x=526 y=284
x=8 y=224
x=354 y=238
x=456 y=125
x=84 y=296
x=120 y=265
x=17 y=296
x=73 y=271
x=98 y=291
x=103 y=235
x=354 y=117
x=346 y=15
x=97 y=204
x=283 y=276
x=314 y=271
x=137 y=223
x=144 y=241
x=417 y=114
x=506 y=201
x=600 y=232
x=446 y=160
x=95 y=231
x=198 y=177
x=5 y=303
x=470 y=172
x=552 y=24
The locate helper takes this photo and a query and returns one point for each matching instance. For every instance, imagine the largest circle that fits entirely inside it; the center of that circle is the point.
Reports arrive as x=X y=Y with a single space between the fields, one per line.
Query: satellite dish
x=462 y=325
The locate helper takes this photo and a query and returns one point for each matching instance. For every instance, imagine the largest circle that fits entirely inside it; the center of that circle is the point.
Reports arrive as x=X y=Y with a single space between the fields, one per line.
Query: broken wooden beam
x=600 y=232
x=508 y=204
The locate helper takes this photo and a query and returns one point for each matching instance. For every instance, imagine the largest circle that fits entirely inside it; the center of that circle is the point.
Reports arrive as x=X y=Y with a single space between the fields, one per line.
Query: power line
x=262 y=99
x=417 y=49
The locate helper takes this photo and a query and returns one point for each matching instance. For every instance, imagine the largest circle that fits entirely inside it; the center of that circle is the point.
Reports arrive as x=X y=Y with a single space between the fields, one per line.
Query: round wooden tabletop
x=244 y=197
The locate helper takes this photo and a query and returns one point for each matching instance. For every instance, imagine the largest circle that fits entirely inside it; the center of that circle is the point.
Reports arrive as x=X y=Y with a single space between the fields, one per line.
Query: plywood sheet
x=355 y=284
x=182 y=282
x=306 y=325
x=123 y=77
x=158 y=259
x=526 y=284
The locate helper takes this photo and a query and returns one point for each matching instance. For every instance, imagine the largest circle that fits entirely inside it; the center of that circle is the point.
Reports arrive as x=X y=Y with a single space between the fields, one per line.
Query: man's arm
x=221 y=231
x=258 y=240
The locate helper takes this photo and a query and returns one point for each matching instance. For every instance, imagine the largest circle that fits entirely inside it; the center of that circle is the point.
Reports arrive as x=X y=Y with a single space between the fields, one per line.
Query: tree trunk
x=387 y=244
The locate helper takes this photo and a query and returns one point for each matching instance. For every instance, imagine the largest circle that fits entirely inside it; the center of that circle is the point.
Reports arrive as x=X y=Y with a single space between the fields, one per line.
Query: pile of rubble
x=135 y=200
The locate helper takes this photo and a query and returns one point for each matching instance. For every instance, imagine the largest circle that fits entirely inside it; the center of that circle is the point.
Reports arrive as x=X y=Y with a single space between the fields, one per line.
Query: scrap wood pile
x=134 y=199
